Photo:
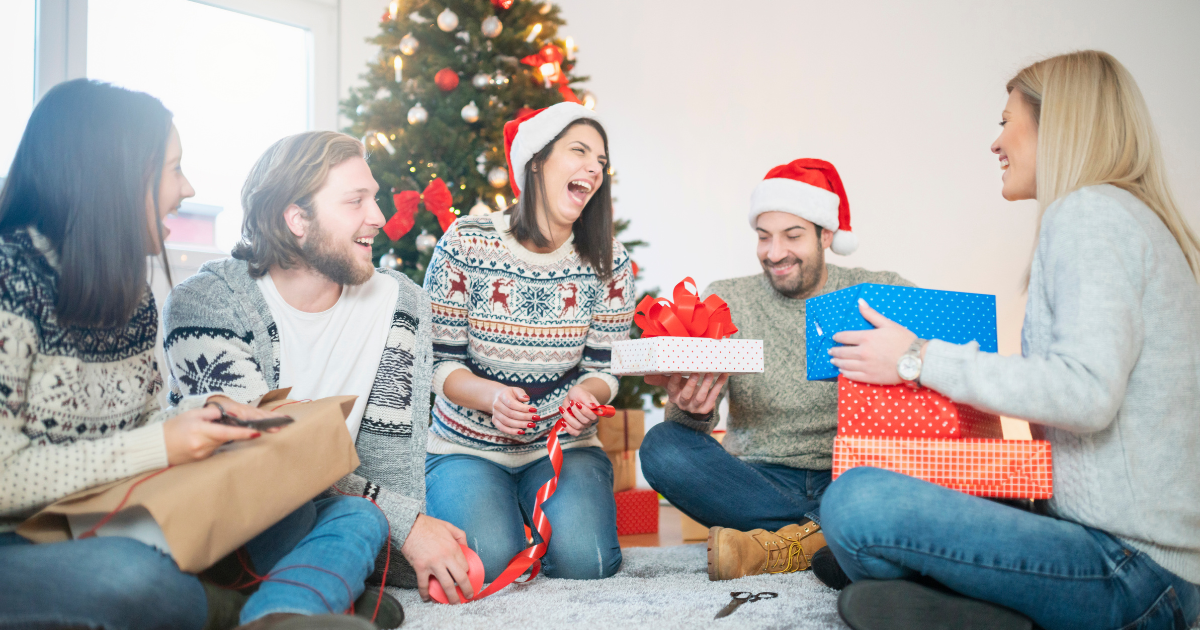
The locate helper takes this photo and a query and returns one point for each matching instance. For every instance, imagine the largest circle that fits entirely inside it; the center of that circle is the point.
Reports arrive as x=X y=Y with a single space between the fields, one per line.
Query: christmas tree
x=449 y=74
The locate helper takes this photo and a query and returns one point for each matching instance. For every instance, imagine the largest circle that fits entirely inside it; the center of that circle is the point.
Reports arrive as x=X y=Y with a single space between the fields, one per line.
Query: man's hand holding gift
x=696 y=394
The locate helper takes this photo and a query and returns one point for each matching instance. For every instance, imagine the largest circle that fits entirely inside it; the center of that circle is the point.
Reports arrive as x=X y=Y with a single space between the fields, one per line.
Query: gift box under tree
x=947 y=315
x=637 y=512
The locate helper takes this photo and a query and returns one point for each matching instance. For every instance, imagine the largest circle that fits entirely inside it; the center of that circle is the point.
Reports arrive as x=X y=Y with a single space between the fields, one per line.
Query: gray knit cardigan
x=219 y=336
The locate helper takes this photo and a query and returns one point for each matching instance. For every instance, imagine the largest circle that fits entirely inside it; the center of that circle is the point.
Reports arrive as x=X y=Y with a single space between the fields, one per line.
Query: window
x=235 y=83
x=17 y=29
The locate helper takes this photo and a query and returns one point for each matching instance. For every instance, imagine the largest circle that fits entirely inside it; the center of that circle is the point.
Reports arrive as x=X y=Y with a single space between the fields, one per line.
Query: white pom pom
x=844 y=243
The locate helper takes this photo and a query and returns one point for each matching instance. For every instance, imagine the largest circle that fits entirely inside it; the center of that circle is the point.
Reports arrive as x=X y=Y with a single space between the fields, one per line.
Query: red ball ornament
x=446 y=79
x=502 y=4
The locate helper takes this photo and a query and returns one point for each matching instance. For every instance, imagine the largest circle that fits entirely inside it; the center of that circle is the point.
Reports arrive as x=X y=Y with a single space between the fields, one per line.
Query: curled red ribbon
x=687 y=316
x=437 y=200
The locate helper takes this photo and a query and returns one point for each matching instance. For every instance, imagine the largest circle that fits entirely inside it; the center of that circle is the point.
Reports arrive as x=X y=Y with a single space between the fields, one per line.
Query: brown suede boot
x=734 y=554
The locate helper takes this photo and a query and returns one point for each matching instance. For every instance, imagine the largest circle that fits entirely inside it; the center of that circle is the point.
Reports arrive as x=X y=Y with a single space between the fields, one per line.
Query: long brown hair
x=89 y=155
x=593 y=229
x=289 y=173
x=1094 y=128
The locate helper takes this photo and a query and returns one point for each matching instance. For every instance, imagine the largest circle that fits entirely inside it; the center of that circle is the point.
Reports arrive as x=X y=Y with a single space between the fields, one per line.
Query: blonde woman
x=1109 y=374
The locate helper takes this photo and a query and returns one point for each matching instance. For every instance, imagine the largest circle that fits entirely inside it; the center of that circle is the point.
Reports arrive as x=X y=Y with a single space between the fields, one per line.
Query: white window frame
x=61 y=45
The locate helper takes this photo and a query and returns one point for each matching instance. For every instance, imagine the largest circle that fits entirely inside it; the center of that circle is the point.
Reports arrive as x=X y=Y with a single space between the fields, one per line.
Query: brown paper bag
x=622 y=432
x=209 y=508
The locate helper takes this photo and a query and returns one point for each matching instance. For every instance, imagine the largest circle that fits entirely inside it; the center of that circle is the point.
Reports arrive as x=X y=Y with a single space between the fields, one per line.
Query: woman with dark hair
x=526 y=305
x=97 y=169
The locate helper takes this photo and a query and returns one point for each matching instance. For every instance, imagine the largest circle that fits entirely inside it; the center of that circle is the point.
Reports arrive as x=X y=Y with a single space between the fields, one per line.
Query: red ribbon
x=688 y=316
x=437 y=200
x=553 y=54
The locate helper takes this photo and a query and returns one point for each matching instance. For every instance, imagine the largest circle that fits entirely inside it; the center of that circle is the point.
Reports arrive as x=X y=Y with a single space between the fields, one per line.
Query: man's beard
x=803 y=283
x=322 y=256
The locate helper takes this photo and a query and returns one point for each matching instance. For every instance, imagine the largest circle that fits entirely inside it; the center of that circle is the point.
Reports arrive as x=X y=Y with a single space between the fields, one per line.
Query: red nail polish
x=521 y=432
x=256 y=434
x=531 y=425
x=532 y=409
x=536 y=418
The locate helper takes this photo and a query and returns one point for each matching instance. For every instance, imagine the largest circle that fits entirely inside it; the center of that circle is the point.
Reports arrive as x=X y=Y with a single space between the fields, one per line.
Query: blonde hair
x=1094 y=128
x=290 y=172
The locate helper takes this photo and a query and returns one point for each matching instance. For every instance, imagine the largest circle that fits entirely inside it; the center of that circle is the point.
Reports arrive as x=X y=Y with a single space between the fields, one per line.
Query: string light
x=399 y=63
x=569 y=44
x=534 y=32
x=393 y=8
x=501 y=202
x=383 y=140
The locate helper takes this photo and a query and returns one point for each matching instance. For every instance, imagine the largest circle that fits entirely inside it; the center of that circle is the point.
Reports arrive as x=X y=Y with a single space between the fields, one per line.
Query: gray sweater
x=219 y=336
x=779 y=416
x=1110 y=373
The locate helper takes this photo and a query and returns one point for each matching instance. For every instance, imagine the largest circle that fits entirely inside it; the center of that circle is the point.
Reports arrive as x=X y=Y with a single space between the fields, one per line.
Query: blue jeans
x=117 y=583
x=885 y=526
x=493 y=503
x=698 y=476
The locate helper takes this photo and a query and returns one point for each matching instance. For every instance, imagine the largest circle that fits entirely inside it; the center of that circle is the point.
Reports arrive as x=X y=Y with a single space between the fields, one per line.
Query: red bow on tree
x=686 y=317
x=437 y=200
x=551 y=55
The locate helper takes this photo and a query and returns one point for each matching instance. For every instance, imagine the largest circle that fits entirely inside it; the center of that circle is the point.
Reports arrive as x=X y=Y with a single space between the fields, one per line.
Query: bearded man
x=300 y=305
x=759 y=491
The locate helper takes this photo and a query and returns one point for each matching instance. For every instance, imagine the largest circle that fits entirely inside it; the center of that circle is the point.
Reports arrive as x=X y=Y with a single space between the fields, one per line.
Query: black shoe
x=904 y=605
x=825 y=566
x=391 y=614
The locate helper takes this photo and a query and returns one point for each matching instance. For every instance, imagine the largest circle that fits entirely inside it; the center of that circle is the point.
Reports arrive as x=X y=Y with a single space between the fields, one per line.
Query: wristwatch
x=909 y=365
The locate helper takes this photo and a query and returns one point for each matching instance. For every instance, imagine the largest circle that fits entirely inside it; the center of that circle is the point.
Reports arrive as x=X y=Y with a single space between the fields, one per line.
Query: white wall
x=701 y=99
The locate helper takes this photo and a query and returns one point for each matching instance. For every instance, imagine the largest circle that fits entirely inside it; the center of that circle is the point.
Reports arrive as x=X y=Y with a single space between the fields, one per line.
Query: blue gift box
x=947 y=315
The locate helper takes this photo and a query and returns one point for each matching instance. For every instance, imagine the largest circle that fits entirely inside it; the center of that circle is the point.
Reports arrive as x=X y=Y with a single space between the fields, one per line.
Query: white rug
x=657 y=587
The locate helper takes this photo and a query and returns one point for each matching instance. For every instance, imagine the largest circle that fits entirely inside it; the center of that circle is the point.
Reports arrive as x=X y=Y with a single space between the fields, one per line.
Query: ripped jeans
x=493 y=503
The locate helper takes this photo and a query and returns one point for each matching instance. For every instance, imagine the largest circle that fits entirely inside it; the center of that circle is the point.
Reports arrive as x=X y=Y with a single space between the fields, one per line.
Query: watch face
x=909 y=367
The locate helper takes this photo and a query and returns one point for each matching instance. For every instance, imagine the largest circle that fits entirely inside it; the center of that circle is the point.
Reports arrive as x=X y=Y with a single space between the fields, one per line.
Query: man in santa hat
x=759 y=491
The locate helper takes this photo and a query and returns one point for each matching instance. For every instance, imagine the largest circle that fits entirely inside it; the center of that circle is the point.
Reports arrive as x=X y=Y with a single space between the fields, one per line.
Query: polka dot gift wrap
x=947 y=315
x=686 y=355
x=902 y=411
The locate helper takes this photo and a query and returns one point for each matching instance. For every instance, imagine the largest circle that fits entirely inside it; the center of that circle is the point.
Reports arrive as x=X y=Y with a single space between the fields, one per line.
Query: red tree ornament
x=502 y=4
x=446 y=79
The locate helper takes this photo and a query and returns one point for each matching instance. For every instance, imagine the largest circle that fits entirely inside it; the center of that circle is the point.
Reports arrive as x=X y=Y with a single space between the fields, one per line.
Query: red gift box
x=637 y=512
x=903 y=411
x=1011 y=469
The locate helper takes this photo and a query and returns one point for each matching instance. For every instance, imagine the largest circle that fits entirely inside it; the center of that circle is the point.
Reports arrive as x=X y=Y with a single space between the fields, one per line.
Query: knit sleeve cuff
x=441 y=372
x=610 y=380
x=144 y=448
x=702 y=424
x=944 y=367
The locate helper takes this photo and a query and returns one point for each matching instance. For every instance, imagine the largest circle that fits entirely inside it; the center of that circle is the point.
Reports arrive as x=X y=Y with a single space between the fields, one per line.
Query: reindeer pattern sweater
x=541 y=322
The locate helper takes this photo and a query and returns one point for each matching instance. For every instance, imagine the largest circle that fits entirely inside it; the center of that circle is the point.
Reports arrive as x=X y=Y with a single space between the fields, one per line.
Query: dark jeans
x=698 y=476
x=121 y=583
x=493 y=503
x=886 y=526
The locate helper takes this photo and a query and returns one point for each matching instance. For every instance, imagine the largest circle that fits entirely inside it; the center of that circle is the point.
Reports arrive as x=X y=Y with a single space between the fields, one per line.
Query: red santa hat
x=532 y=131
x=810 y=189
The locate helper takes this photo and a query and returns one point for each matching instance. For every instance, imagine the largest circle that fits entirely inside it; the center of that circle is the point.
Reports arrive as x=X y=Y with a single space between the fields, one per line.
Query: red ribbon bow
x=688 y=316
x=437 y=200
x=552 y=54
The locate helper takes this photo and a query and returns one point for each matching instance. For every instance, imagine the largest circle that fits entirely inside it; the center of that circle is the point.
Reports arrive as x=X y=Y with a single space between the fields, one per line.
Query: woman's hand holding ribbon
x=578 y=412
x=511 y=411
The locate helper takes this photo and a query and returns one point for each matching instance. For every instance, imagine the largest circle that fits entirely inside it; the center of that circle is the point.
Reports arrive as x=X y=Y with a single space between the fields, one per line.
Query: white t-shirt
x=335 y=352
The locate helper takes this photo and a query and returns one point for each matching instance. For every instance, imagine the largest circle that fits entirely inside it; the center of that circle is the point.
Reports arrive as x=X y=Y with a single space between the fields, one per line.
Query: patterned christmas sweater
x=78 y=406
x=541 y=322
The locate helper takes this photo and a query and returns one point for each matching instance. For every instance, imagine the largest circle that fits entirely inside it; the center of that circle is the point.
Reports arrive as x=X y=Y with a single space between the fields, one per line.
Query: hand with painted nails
x=193 y=435
x=511 y=411
x=578 y=410
x=871 y=356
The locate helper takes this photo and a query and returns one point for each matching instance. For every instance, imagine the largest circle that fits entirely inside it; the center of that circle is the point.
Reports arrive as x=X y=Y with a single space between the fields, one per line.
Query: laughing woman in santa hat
x=526 y=305
x=1109 y=374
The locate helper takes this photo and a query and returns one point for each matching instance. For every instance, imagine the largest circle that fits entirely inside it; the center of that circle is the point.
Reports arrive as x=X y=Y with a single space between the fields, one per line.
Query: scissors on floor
x=742 y=597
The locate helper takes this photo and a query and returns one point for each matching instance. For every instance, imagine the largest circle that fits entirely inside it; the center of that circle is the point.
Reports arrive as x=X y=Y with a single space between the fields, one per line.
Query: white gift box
x=686 y=355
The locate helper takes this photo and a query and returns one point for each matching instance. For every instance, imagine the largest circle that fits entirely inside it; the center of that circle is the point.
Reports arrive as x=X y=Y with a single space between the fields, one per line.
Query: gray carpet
x=657 y=587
